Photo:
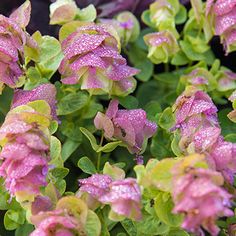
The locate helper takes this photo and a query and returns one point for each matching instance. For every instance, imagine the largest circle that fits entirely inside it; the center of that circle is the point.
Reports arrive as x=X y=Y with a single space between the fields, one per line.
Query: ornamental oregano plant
x=118 y=126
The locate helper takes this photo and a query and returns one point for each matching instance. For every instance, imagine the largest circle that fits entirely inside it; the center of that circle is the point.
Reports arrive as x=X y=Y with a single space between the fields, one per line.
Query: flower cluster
x=162 y=46
x=126 y=25
x=129 y=126
x=196 y=117
x=92 y=58
x=68 y=219
x=13 y=38
x=123 y=195
x=162 y=15
x=25 y=141
x=222 y=16
x=197 y=193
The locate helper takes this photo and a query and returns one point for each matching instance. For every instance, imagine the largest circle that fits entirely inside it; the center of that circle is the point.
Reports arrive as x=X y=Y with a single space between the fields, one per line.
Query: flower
x=96 y=185
x=196 y=118
x=92 y=188
x=92 y=59
x=199 y=78
x=191 y=103
x=162 y=15
x=46 y=92
x=126 y=25
x=162 y=46
x=62 y=11
x=227 y=81
x=13 y=38
x=124 y=198
x=199 y=196
x=129 y=126
x=222 y=15
x=67 y=219
x=25 y=141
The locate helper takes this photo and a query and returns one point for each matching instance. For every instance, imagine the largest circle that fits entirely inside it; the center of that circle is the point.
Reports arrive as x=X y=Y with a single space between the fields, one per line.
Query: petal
x=77 y=44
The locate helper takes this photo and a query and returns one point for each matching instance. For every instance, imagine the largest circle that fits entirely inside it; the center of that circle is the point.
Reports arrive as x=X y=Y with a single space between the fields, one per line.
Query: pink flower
x=196 y=118
x=227 y=81
x=56 y=223
x=67 y=219
x=92 y=59
x=223 y=14
x=12 y=41
x=97 y=185
x=129 y=126
x=199 y=196
x=124 y=198
x=162 y=46
x=193 y=103
x=45 y=92
x=25 y=141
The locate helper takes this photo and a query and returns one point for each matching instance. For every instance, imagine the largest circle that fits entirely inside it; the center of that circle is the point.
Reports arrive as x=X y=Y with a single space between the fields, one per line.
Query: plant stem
x=167 y=68
x=100 y=153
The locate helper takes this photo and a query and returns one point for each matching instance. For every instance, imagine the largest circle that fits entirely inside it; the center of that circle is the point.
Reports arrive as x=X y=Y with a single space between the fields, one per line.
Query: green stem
x=100 y=153
x=167 y=68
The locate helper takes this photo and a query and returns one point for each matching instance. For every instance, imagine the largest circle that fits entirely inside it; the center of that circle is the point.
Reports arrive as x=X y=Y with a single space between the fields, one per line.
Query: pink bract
x=129 y=126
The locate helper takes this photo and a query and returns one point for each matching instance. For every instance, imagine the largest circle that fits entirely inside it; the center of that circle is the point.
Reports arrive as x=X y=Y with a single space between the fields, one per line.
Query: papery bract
x=64 y=220
x=126 y=25
x=198 y=194
x=196 y=118
x=162 y=46
x=222 y=15
x=25 y=141
x=92 y=59
x=130 y=126
x=45 y=92
x=124 y=198
x=13 y=38
x=62 y=11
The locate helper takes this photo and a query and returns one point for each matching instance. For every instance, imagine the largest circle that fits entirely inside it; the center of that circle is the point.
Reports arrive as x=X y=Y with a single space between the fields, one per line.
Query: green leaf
x=68 y=148
x=181 y=16
x=53 y=126
x=61 y=186
x=138 y=57
x=69 y=28
x=50 y=56
x=59 y=173
x=87 y=14
x=55 y=148
x=230 y=138
x=167 y=120
x=24 y=230
x=90 y=137
x=71 y=103
x=227 y=126
x=86 y=165
x=129 y=227
x=175 y=145
x=163 y=206
x=13 y=219
x=161 y=174
x=151 y=225
x=177 y=232
x=179 y=59
x=93 y=224
x=71 y=130
x=146 y=19
x=152 y=109
x=129 y=102
x=109 y=147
